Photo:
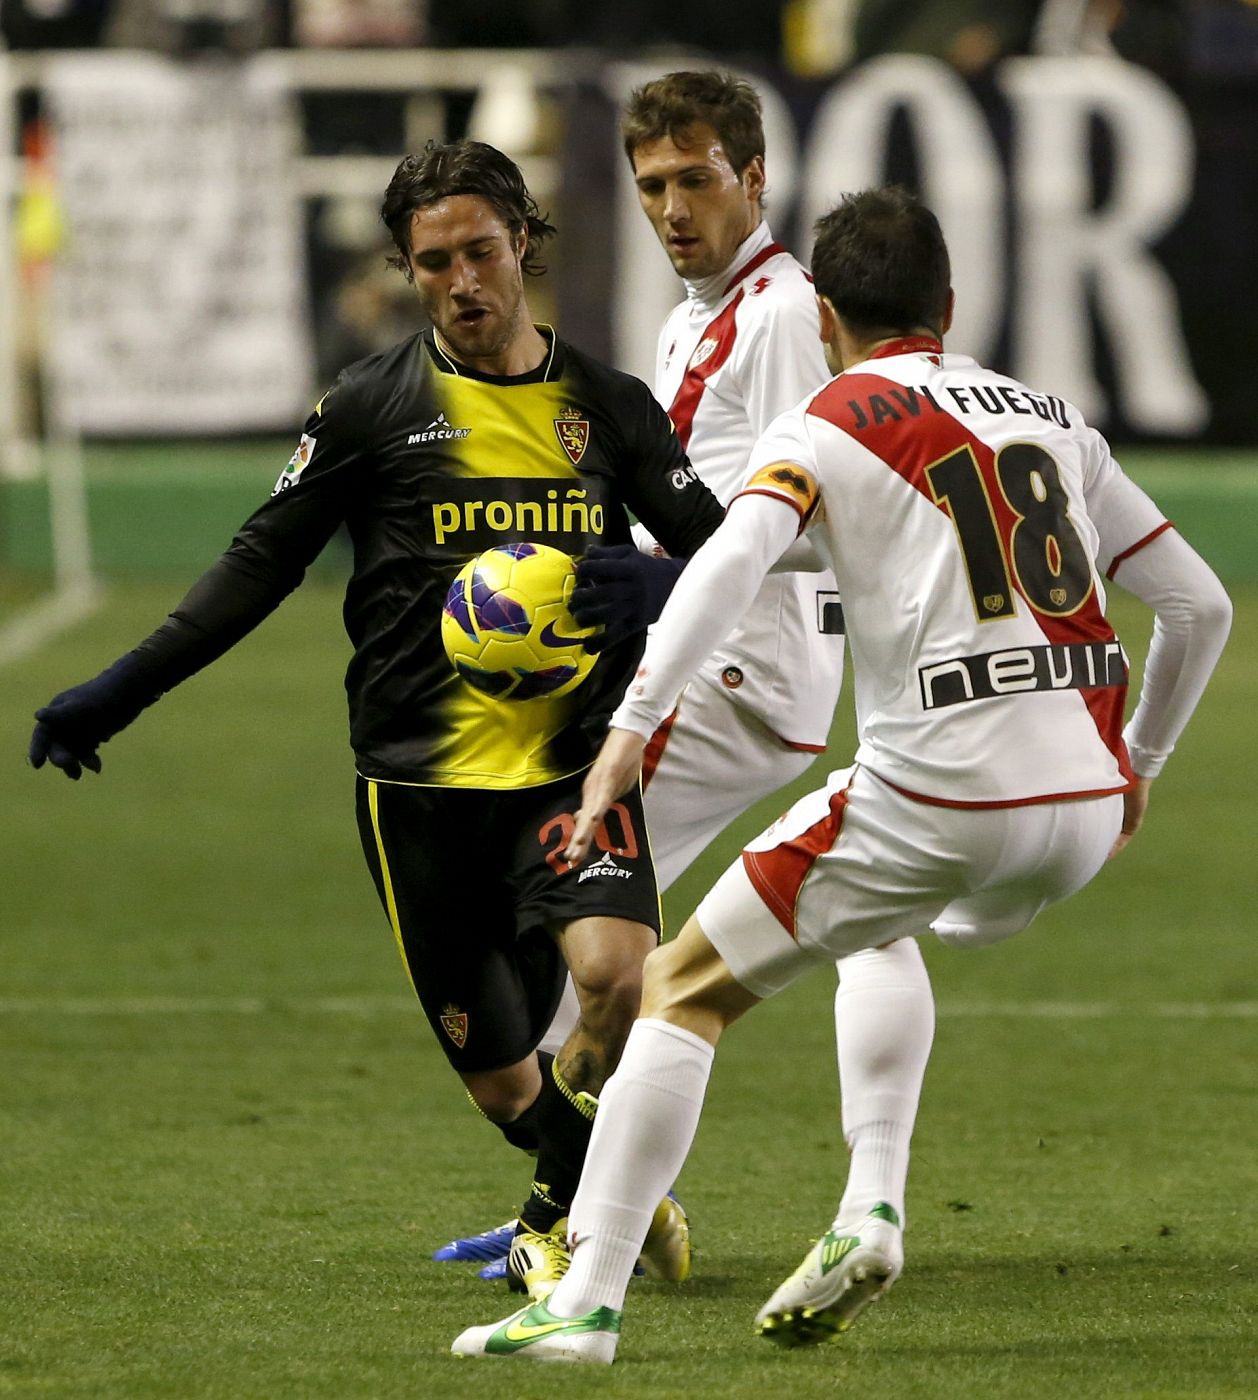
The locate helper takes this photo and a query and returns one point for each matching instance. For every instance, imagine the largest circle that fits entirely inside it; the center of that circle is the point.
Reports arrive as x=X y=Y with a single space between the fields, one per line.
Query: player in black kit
x=485 y=429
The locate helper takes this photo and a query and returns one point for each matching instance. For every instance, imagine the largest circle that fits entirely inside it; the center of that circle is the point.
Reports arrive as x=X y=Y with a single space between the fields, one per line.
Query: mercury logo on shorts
x=604 y=865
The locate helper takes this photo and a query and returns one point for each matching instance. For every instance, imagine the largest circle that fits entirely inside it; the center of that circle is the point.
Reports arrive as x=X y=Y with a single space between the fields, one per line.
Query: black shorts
x=475 y=889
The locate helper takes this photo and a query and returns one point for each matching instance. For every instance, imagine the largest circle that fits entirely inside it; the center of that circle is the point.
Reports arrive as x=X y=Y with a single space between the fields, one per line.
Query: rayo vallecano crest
x=573 y=433
x=454 y=1023
x=703 y=351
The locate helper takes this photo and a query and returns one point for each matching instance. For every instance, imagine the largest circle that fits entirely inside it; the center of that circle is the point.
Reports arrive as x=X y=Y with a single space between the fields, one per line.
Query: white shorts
x=857 y=864
x=711 y=761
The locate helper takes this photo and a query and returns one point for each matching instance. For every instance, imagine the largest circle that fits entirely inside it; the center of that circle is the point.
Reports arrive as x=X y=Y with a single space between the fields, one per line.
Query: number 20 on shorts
x=565 y=823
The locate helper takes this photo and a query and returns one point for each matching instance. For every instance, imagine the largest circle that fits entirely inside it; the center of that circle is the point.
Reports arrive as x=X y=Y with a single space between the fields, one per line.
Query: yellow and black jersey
x=428 y=463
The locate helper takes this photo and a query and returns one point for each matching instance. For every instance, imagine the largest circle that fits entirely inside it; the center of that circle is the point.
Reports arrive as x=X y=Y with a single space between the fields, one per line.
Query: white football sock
x=884 y=1017
x=647 y=1116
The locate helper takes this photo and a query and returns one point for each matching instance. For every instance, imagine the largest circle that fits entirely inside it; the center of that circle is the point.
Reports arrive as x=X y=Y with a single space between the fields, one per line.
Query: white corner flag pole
x=76 y=593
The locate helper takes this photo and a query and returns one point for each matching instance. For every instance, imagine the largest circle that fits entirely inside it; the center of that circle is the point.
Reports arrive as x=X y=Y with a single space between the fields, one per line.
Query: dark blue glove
x=623 y=589
x=74 y=724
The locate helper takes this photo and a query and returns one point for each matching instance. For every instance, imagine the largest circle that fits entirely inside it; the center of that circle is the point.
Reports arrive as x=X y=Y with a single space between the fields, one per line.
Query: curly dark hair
x=881 y=260
x=669 y=105
x=461 y=167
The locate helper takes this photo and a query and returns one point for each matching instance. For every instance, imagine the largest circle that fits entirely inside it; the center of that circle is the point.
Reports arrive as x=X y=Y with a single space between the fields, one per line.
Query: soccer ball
x=506 y=626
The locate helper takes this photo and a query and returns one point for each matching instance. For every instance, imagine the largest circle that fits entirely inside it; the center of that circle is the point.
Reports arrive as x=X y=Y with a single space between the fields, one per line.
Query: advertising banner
x=179 y=300
x=1100 y=223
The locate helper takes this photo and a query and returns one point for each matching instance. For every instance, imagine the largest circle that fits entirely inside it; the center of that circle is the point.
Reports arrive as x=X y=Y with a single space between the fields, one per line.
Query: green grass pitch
x=229 y=1143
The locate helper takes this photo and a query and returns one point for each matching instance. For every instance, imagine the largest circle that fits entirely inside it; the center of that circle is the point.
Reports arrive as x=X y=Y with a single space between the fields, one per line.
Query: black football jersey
x=428 y=463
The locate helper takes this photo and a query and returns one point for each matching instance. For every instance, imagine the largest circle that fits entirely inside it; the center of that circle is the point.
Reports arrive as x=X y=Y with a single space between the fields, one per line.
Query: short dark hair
x=669 y=105
x=461 y=167
x=881 y=260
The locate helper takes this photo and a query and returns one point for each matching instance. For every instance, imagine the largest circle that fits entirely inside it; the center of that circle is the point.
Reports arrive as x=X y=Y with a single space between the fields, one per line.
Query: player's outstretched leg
x=644 y=1128
x=604 y=956
x=492 y=1246
x=536 y=1334
x=645 y=1125
x=839 y=1277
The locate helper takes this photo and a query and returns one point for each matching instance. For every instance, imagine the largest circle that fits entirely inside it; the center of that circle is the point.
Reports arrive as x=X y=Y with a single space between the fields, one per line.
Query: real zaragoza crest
x=454 y=1023
x=573 y=433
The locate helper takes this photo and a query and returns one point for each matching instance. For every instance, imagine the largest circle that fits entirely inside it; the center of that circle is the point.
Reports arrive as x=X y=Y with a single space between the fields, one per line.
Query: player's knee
x=611 y=994
x=500 y=1105
x=502 y=1095
x=693 y=989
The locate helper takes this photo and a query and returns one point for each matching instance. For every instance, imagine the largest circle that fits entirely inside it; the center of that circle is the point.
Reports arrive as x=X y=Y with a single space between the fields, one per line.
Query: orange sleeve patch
x=789 y=483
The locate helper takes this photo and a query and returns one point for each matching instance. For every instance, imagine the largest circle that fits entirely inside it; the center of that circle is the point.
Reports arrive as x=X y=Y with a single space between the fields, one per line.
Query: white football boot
x=840 y=1276
x=536 y=1334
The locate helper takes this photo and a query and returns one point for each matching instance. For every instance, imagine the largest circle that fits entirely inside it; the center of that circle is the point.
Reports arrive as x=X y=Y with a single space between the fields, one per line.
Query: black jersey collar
x=549 y=368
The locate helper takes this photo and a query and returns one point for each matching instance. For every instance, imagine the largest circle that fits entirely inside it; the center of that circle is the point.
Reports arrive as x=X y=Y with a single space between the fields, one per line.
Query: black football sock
x=565 y=1120
x=522 y=1131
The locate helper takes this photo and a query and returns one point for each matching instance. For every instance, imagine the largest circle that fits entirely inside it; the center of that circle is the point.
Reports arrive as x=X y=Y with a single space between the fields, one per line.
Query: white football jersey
x=970 y=522
x=742 y=348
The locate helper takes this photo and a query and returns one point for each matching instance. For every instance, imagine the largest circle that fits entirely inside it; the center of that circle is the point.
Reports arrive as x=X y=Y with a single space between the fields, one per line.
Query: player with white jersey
x=741 y=348
x=738 y=350
x=972 y=524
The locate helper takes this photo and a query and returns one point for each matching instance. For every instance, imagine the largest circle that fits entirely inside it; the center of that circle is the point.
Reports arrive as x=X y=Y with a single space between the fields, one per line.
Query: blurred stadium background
x=229 y=1146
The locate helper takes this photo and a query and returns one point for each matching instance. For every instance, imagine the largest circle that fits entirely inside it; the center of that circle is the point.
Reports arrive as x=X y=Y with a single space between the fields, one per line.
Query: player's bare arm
x=616 y=769
x=1135 y=804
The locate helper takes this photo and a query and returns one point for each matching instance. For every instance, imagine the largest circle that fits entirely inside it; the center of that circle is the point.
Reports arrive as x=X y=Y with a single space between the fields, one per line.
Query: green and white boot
x=536 y=1334
x=840 y=1276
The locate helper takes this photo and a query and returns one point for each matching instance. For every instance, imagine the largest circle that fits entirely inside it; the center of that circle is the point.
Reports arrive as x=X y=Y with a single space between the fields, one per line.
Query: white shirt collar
x=709 y=291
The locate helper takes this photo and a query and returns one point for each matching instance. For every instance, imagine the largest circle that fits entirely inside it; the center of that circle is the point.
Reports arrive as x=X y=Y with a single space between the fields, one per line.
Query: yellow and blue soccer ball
x=506 y=626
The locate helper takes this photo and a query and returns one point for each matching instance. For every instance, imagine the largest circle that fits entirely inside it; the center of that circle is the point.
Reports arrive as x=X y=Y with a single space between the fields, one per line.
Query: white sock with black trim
x=647 y=1116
